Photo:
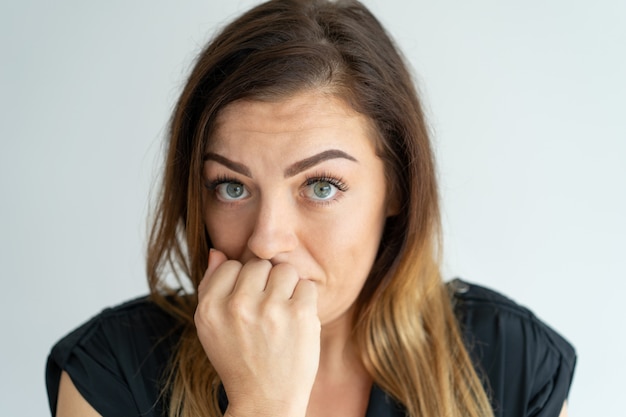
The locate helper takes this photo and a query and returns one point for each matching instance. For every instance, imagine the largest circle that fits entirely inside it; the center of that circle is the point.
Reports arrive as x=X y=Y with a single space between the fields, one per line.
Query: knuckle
x=199 y=319
x=239 y=307
x=203 y=312
x=272 y=312
x=304 y=310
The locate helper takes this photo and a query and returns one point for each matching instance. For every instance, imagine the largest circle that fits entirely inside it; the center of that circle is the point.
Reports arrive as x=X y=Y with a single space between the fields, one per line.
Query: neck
x=342 y=385
x=338 y=353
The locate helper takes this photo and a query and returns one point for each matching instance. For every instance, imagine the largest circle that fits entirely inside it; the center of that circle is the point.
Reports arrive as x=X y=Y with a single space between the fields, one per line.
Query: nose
x=274 y=233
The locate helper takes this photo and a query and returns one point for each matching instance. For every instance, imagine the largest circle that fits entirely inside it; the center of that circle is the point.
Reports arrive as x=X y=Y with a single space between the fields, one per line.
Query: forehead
x=304 y=118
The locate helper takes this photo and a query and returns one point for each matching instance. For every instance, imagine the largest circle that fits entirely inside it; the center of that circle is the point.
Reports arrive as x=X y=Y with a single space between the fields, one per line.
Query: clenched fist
x=259 y=327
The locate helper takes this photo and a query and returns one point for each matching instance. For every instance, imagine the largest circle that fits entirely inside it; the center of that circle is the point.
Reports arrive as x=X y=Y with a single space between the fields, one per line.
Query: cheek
x=365 y=241
x=349 y=244
x=228 y=232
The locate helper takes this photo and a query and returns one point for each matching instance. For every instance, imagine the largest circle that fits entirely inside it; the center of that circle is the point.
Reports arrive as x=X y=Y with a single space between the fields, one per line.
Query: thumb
x=216 y=258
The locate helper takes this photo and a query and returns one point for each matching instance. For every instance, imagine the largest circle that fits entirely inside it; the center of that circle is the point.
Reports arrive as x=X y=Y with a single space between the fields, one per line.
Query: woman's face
x=298 y=181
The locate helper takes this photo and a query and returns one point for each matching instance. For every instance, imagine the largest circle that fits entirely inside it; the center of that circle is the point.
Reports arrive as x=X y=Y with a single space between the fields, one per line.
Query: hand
x=259 y=327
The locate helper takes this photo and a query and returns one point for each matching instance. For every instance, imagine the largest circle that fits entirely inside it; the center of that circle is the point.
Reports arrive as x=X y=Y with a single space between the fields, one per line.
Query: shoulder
x=526 y=364
x=134 y=324
x=123 y=350
x=491 y=315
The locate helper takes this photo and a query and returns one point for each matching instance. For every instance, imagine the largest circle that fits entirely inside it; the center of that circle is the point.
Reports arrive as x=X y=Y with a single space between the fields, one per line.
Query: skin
x=295 y=246
x=292 y=252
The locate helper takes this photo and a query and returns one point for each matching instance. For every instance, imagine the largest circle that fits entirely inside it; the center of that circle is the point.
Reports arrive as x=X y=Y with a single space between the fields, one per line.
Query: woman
x=299 y=201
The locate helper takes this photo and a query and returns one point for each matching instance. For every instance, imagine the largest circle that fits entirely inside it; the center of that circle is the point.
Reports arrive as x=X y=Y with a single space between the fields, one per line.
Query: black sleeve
x=527 y=367
x=115 y=360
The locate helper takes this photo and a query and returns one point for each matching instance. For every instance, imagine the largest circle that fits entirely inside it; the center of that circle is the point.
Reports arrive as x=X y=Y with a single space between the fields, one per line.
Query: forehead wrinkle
x=298 y=119
x=279 y=116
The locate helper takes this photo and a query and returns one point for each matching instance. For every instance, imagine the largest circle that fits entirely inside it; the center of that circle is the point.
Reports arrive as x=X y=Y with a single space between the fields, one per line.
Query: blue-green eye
x=323 y=188
x=230 y=191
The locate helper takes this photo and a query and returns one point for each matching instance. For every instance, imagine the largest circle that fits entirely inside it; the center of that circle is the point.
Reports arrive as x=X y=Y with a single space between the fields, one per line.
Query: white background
x=526 y=100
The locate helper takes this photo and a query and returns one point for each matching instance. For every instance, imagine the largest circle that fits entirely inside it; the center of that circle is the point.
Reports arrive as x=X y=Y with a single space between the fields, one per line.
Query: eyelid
x=213 y=186
x=221 y=179
x=338 y=182
x=310 y=180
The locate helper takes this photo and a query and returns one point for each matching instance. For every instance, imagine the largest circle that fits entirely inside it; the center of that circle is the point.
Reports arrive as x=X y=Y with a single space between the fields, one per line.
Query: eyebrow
x=291 y=170
x=311 y=161
x=235 y=166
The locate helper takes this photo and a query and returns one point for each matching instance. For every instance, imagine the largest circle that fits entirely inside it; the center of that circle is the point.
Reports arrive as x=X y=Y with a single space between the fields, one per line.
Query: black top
x=117 y=359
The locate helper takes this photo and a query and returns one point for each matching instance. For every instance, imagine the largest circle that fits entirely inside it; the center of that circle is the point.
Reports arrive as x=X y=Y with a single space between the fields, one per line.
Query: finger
x=282 y=282
x=253 y=277
x=216 y=258
x=221 y=283
x=305 y=293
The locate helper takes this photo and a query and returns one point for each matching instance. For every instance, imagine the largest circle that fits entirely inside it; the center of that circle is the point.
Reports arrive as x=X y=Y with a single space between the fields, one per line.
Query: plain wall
x=526 y=102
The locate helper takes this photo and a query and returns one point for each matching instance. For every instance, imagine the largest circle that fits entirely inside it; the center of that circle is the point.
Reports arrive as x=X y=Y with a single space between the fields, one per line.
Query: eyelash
x=311 y=179
x=222 y=179
x=325 y=177
x=336 y=182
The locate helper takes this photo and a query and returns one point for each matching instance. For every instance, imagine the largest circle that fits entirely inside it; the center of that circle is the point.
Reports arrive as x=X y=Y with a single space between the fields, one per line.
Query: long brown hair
x=404 y=324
